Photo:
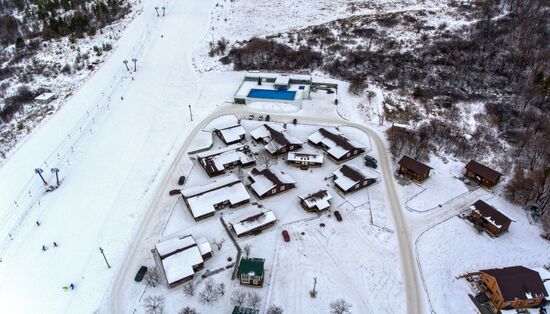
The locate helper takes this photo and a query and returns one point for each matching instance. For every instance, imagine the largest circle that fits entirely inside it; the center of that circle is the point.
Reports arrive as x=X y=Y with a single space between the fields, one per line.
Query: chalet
x=414 y=169
x=513 y=287
x=231 y=134
x=303 y=159
x=337 y=146
x=275 y=138
x=244 y=310
x=482 y=174
x=251 y=271
x=180 y=257
x=316 y=202
x=216 y=162
x=350 y=178
x=253 y=222
x=487 y=218
x=269 y=182
x=203 y=201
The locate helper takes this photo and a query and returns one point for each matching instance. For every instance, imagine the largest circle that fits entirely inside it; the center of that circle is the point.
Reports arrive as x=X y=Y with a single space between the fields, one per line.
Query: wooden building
x=482 y=174
x=276 y=139
x=414 y=169
x=338 y=147
x=304 y=159
x=203 y=201
x=487 y=218
x=315 y=202
x=513 y=287
x=244 y=310
x=231 y=134
x=253 y=223
x=350 y=178
x=216 y=162
x=251 y=271
x=269 y=182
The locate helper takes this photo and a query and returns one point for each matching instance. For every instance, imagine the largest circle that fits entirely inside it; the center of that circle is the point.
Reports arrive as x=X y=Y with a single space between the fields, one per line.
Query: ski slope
x=107 y=177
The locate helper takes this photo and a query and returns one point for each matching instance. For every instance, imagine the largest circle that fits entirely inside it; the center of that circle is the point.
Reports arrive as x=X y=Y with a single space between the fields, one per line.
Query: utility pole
x=105 y=258
x=314 y=285
x=157 y=9
x=163 y=11
x=39 y=171
x=135 y=64
x=126 y=64
x=56 y=171
x=190 y=113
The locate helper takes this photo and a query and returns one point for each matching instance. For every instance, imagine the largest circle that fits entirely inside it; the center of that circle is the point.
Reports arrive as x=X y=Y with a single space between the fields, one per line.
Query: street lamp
x=39 y=171
x=105 y=258
x=163 y=11
x=56 y=171
x=157 y=9
x=135 y=65
x=126 y=64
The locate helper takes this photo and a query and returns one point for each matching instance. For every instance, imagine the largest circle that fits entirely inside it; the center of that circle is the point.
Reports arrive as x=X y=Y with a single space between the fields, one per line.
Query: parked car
x=140 y=274
x=251 y=117
x=174 y=192
x=260 y=118
x=286 y=236
x=337 y=215
x=181 y=180
x=370 y=161
x=267 y=118
x=330 y=91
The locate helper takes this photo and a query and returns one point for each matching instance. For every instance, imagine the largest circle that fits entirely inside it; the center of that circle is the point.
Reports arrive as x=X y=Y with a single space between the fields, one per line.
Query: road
x=145 y=234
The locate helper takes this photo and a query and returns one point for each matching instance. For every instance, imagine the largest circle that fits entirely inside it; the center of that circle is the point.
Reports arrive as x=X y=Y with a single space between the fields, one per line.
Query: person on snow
x=37 y=223
x=71 y=286
x=44 y=248
x=54 y=244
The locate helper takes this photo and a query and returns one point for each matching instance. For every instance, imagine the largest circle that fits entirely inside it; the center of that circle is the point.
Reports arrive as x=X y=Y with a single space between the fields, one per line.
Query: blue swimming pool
x=272 y=94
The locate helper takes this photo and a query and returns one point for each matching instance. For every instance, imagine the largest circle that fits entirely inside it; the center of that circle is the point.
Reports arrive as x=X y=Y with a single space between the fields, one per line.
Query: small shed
x=315 y=202
x=489 y=218
x=251 y=271
x=414 y=169
x=482 y=174
x=45 y=98
x=244 y=310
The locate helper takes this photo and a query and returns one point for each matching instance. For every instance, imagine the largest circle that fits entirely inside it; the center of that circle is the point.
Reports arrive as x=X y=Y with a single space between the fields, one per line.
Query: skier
x=37 y=223
x=65 y=288
x=121 y=98
x=44 y=248
x=54 y=244
x=72 y=286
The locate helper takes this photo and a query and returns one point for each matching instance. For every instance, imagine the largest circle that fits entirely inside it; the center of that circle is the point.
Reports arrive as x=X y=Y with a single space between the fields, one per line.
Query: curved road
x=413 y=289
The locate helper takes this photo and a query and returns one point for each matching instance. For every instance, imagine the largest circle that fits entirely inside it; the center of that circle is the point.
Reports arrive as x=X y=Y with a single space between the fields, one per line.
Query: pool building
x=270 y=87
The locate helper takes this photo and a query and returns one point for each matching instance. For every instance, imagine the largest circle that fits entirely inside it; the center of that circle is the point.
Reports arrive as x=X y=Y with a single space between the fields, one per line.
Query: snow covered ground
x=454 y=248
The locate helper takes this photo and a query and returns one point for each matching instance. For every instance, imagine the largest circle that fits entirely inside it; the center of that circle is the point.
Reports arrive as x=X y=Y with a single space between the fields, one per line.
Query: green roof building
x=244 y=310
x=251 y=271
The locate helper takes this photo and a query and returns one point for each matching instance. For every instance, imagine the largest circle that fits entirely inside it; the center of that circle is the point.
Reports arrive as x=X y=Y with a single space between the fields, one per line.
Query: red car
x=286 y=236
x=337 y=215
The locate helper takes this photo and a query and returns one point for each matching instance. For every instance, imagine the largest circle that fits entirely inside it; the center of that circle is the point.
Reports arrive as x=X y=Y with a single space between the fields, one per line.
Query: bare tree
x=247 y=249
x=340 y=306
x=188 y=310
x=220 y=289
x=274 y=309
x=219 y=244
x=238 y=297
x=189 y=289
x=152 y=277
x=211 y=292
x=265 y=159
x=154 y=304
x=254 y=299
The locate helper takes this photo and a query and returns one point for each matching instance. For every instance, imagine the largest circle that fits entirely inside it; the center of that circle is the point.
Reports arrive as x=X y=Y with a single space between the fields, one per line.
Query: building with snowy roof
x=273 y=88
x=231 y=134
x=513 y=287
x=482 y=174
x=203 y=201
x=316 y=202
x=414 y=169
x=180 y=257
x=253 y=222
x=251 y=271
x=45 y=98
x=305 y=159
x=276 y=139
x=350 y=178
x=337 y=146
x=486 y=217
x=216 y=162
x=269 y=182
